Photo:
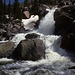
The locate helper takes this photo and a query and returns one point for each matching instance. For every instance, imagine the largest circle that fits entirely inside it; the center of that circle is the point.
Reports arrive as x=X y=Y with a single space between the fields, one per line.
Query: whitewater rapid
x=56 y=61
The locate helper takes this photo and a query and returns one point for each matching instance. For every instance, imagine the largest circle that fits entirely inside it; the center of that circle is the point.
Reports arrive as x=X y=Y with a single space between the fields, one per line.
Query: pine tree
x=17 y=10
x=31 y=1
x=4 y=7
x=1 y=11
x=41 y=1
x=26 y=3
x=35 y=6
x=50 y=2
x=9 y=9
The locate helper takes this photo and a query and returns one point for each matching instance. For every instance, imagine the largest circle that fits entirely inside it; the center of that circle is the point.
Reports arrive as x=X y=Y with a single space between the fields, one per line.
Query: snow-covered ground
x=29 y=23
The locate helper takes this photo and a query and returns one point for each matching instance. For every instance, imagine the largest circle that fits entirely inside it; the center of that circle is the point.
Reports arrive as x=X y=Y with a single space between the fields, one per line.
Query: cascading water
x=47 y=24
x=56 y=61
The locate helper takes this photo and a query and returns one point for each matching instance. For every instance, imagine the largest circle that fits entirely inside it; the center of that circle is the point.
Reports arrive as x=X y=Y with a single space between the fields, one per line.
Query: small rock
x=31 y=36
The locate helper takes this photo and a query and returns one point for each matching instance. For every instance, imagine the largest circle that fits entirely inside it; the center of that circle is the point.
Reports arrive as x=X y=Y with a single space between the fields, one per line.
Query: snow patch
x=29 y=23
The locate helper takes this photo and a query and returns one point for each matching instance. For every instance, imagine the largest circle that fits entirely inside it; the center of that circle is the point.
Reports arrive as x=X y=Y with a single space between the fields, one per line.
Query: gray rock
x=30 y=49
x=64 y=17
x=6 y=49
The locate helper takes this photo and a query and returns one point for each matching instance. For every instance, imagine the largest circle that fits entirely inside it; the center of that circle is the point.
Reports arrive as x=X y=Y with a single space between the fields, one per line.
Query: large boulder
x=6 y=49
x=63 y=17
x=65 y=26
x=68 y=38
x=30 y=49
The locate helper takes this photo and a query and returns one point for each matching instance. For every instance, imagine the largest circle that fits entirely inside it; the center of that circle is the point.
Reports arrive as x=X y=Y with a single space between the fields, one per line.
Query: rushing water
x=56 y=62
x=47 y=24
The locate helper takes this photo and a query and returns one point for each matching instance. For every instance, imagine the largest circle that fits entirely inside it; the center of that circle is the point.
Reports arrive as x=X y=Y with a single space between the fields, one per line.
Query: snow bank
x=29 y=23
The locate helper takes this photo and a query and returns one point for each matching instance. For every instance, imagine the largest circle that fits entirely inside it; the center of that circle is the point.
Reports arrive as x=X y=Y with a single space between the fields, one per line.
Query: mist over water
x=56 y=61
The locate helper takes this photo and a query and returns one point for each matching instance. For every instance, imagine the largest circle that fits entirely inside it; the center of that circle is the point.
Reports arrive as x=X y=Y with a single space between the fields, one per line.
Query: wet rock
x=64 y=17
x=69 y=11
x=68 y=38
x=2 y=73
x=42 y=10
x=6 y=49
x=73 y=67
x=30 y=49
x=42 y=72
x=39 y=72
x=65 y=26
x=31 y=36
x=68 y=42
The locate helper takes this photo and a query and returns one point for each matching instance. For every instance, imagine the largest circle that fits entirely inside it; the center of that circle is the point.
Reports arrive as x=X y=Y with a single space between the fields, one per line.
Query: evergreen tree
x=17 y=10
x=35 y=6
x=26 y=3
x=1 y=11
x=9 y=9
x=4 y=7
x=41 y=1
x=31 y=1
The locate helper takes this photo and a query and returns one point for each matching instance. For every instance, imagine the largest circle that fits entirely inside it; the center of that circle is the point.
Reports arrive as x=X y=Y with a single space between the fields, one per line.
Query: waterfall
x=52 y=42
x=56 y=61
x=46 y=25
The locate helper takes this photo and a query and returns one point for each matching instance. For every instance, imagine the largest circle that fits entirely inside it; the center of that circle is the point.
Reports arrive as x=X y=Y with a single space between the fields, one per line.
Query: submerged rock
x=30 y=49
x=6 y=49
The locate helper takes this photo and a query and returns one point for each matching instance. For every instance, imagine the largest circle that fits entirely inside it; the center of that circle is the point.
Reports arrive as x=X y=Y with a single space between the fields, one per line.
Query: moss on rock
x=6 y=49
